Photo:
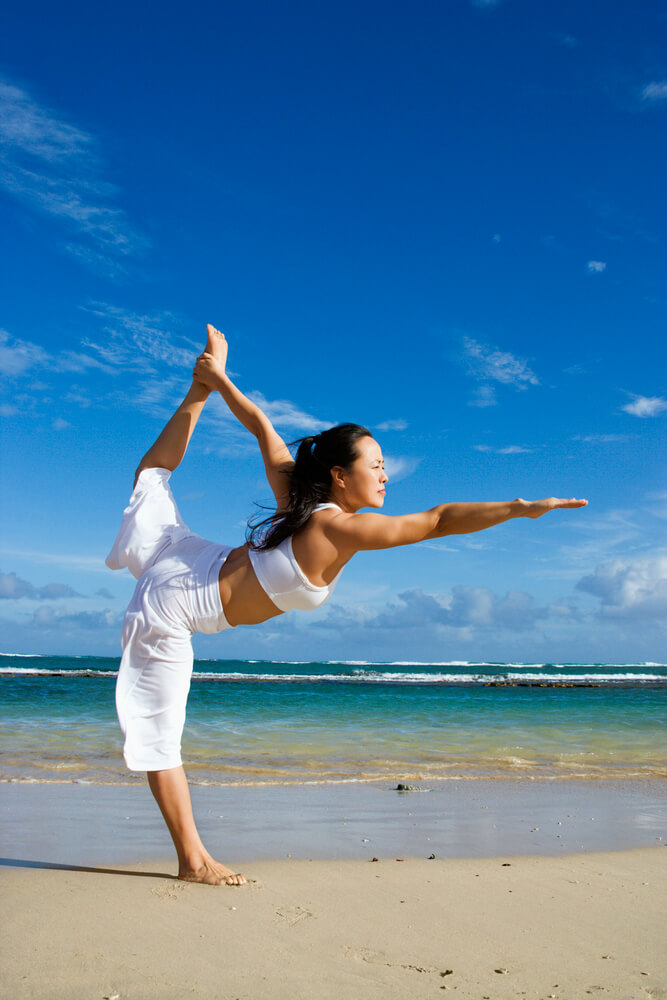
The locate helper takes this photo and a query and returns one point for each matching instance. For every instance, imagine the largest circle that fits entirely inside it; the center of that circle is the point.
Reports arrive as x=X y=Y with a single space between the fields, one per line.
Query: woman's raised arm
x=377 y=531
x=278 y=462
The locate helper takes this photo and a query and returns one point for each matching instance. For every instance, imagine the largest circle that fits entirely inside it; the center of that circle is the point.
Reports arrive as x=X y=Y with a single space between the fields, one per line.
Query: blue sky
x=442 y=220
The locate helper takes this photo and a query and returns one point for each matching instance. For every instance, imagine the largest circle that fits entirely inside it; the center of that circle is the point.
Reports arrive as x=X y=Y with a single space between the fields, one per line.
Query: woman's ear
x=338 y=476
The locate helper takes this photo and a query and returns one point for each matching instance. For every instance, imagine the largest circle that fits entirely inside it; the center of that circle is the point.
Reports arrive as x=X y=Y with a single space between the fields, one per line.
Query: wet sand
x=103 y=824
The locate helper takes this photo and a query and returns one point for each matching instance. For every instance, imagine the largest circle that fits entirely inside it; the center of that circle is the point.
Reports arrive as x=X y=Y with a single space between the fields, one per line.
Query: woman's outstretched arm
x=377 y=531
x=210 y=373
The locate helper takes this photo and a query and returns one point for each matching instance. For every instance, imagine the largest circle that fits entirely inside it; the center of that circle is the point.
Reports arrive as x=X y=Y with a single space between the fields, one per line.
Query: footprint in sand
x=367 y=955
x=171 y=891
x=292 y=915
x=379 y=958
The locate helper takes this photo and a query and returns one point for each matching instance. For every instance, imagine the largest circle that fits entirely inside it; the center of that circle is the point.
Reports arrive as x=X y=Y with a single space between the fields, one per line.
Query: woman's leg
x=170 y=786
x=195 y=864
x=151 y=697
x=168 y=450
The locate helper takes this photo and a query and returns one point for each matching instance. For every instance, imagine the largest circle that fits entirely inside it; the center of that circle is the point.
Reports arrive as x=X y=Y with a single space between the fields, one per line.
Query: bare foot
x=216 y=344
x=211 y=872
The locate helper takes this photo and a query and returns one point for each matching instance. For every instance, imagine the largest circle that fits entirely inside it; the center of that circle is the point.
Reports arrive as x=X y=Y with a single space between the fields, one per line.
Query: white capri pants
x=177 y=594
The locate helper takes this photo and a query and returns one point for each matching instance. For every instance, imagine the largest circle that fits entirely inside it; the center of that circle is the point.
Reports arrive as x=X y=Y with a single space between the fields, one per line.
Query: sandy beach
x=568 y=927
x=535 y=890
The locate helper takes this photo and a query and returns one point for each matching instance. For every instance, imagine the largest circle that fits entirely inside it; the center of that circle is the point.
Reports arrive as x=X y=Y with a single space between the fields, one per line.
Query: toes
x=235 y=879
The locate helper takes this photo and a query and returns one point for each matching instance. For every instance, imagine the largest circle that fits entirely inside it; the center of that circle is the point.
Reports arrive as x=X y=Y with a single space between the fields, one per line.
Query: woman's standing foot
x=210 y=872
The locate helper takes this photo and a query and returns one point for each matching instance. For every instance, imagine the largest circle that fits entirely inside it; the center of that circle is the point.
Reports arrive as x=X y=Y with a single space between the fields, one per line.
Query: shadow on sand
x=22 y=863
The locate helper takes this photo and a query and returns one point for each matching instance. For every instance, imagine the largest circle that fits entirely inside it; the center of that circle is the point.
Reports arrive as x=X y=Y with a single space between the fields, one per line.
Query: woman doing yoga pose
x=293 y=560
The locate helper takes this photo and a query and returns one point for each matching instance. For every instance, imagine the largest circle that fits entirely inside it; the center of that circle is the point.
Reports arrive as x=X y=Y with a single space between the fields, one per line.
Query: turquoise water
x=281 y=723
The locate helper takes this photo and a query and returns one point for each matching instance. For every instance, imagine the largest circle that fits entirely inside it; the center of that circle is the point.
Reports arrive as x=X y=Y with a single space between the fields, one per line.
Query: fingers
x=537 y=508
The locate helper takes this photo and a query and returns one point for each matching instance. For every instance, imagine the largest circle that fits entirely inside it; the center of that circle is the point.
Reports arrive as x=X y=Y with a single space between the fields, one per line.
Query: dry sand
x=568 y=927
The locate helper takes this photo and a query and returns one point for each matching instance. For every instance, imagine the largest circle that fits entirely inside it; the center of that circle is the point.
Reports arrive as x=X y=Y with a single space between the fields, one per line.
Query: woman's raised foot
x=216 y=344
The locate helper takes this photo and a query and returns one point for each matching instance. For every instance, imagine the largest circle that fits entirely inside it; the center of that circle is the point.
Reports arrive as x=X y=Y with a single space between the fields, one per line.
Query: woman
x=187 y=584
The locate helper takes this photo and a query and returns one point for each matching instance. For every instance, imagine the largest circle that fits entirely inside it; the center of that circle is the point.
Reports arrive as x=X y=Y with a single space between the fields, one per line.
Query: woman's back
x=300 y=573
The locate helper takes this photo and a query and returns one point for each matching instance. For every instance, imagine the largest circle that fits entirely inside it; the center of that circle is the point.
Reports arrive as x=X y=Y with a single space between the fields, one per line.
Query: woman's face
x=363 y=482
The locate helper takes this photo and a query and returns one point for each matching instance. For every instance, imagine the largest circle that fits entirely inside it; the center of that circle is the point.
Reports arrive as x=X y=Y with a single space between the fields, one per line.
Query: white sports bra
x=283 y=580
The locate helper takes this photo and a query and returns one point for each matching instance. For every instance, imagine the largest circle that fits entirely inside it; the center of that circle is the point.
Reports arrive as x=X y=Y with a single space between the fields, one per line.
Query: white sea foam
x=25 y=656
x=499 y=678
x=46 y=672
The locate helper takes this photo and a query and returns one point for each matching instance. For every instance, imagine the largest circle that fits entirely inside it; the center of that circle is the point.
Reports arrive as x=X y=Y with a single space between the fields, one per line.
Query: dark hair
x=309 y=482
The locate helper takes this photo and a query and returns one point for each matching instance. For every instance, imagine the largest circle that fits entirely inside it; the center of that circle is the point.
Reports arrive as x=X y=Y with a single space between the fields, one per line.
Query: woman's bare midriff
x=244 y=602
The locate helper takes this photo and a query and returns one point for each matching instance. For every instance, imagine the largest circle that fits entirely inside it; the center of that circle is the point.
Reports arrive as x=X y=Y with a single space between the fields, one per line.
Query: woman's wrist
x=220 y=383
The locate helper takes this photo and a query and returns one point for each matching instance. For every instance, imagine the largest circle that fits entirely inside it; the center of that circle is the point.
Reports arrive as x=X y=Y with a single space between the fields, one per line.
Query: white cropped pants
x=177 y=594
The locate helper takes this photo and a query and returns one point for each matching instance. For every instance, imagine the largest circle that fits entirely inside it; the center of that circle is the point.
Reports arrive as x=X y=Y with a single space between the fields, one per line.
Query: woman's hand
x=208 y=370
x=535 y=508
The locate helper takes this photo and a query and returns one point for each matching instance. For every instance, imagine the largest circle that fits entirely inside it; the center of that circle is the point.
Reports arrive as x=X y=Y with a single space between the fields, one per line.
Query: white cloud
x=79 y=397
x=158 y=395
x=59 y=424
x=484 y=395
x=155 y=362
x=437 y=547
x=75 y=361
x=626 y=589
x=48 y=618
x=8 y=410
x=657 y=503
x=64 y=560
x=392 y=425
x=602 y=438
x=16 y=356
x=635 y=588
x=132 y=340
x=596 y=266
x=492 y=365
x=464 y=607
x=489 y=365
x=510 y=449
x=54 y=168
x=655 y=91
x=284 y=413
x=399 y=467
x=13 y=587
x=599 y=538
x=645 y=406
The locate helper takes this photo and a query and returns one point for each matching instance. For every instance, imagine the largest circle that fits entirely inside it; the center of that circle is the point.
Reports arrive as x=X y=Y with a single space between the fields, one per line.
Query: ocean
x=269 y=723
